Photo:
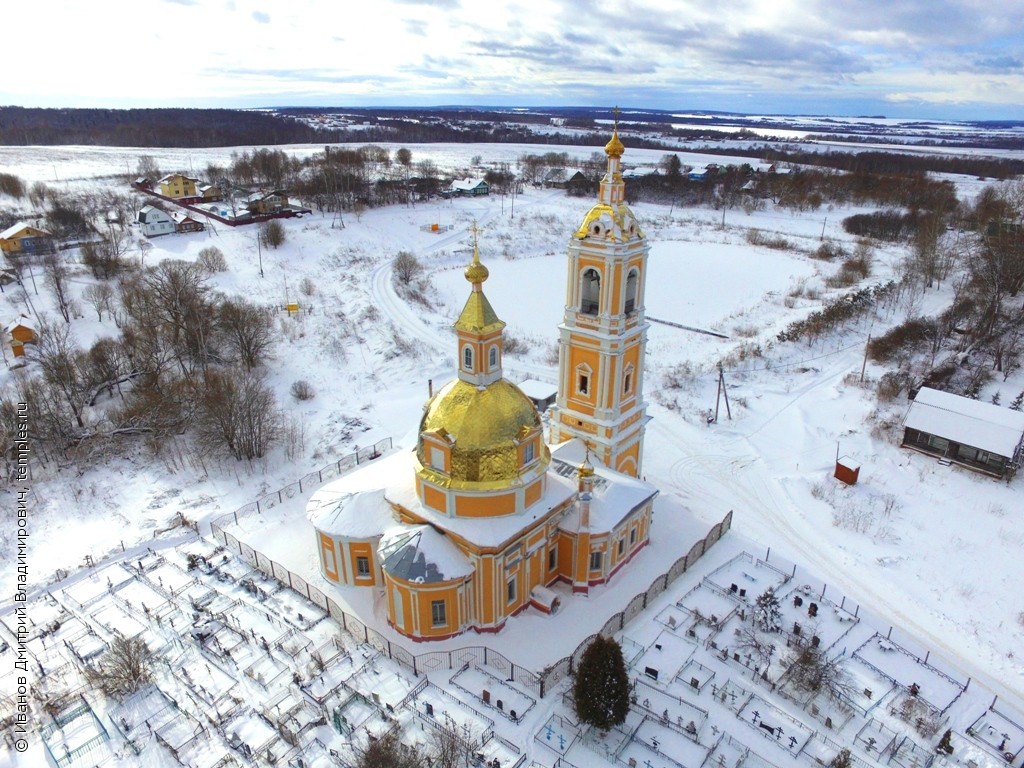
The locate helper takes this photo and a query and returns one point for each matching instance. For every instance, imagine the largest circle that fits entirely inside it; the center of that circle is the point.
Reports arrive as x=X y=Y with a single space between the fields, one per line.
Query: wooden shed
x=21 y=332
x=980 y=436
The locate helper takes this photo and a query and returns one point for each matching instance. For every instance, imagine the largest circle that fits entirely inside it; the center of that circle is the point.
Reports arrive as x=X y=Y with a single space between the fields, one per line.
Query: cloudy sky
x=901 y=58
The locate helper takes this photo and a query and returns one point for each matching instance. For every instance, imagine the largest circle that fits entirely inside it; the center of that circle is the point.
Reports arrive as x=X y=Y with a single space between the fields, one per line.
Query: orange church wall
x=485 y=575
x=328 y=557
x=434 y=498
x=533 y=492
x=362 y=549
x=485 y=506
x=418 y=609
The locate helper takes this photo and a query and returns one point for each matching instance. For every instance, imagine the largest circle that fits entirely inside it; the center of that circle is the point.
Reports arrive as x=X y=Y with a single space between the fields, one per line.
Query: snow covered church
x=485 y=515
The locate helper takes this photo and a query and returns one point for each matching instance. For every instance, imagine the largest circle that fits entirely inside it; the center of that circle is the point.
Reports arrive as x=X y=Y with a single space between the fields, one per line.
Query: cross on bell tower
x=603 y=335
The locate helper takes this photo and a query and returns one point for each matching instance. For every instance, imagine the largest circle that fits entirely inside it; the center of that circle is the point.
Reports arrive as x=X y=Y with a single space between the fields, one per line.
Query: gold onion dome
x=476 y=272
x=614 y=148
x=485 y=425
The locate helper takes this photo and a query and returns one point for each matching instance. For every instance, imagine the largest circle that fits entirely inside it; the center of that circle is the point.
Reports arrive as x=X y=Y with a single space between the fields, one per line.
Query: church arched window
x=590 y=292
x=631 y=286
x=583 y=383
x=467 y=358
x=492 y=358
x=627 y=380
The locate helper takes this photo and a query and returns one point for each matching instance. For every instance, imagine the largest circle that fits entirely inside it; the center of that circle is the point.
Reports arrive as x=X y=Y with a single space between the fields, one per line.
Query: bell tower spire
x=603 y=335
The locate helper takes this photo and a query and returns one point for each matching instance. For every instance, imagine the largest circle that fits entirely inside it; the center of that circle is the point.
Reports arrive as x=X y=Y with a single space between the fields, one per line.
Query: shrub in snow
x=303 y=390
x=212 y=260
x=125 y=667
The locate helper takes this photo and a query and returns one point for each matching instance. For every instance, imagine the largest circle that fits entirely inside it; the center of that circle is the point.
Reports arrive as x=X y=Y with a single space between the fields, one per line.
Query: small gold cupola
x=479 y=329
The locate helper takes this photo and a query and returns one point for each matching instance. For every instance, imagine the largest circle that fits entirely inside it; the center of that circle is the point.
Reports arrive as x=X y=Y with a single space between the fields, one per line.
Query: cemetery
x=250 y=672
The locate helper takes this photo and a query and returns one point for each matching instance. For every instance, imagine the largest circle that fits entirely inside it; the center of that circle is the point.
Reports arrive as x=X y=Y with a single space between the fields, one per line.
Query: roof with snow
x=985 y=426
x=537 y=390
x=16 y=228
x=466 y=185
x=22 y=322
x=182 y=216
x=615 y=495
x=170 y=176
x=148 y=214
x=420 y=554
x=360 y=515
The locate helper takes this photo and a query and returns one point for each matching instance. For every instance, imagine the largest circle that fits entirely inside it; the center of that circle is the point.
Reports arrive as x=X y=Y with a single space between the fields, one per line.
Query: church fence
x=539 y=682
x=303 y=484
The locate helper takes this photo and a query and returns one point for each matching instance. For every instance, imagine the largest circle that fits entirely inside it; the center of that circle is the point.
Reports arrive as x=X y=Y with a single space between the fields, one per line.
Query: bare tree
x=272 y=233
x=407 y=267
x=101 y=297
x=212 y=259
x=61 y=363
x=55 y=273
x=757 y=644
x=388 y=752
x=447 y=749
x=169 y=305
x=237 y=414
x=247 y=331
x=147 y=167
x=124 y=669
x=106 y=259
x=813 y=671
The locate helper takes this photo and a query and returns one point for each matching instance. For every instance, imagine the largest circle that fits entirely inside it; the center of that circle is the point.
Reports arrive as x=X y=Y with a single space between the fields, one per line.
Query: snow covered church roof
x=984 y=426
x=421 y=554
x=614 y=497
x=360 y=515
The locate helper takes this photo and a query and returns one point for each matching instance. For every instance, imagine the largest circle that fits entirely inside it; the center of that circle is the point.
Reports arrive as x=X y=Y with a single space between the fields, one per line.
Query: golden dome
x=485 y=425
x=614 y=148
x=476 y=272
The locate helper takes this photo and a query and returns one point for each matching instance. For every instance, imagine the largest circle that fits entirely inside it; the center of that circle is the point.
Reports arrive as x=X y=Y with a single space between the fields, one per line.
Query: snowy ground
x=932 y=551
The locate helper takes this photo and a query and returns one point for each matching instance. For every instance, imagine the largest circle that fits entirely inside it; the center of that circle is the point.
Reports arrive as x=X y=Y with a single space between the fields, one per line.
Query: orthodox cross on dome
x=615 y=113
x=476 y=273
x=476 y=229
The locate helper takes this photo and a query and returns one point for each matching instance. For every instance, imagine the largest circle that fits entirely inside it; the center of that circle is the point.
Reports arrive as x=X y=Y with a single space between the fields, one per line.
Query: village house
x=185 y=222
x=210 y=193
x=958 y=430
x=153 y=221
x=470 y=187
x=25 y=239
x=262 y=203
x=21 y=332
x=178 y=185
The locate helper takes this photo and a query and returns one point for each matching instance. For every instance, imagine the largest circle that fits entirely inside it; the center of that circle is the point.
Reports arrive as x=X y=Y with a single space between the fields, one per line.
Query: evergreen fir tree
x=767 y=615
x=601 y=688
x=996 y=398
x=1018 y=401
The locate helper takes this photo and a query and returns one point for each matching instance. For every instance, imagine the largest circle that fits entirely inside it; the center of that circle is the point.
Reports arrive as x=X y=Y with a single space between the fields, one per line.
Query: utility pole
x=259 y=249
x=722 y=391
x=864 y=365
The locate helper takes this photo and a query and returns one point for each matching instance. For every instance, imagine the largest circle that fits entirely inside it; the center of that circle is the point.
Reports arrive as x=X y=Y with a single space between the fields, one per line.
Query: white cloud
x=209 y=51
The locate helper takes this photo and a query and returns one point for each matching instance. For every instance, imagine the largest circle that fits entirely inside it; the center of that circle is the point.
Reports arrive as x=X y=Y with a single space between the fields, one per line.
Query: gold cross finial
x=476 y=272
x=476 y=230
x=615 y=113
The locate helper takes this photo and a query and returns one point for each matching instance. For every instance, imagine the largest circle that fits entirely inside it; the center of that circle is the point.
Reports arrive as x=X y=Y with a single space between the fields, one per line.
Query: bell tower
x=603 y=335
